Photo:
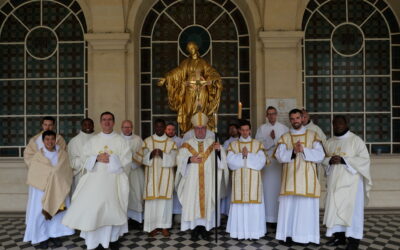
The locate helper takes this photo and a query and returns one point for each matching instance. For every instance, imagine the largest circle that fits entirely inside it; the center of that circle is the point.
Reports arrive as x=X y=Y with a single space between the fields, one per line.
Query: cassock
x=247 y=213
x=272 y=173
x=75 y=153
x=226 y=201
x=135 y=174
x=49 y=180
x=36 y=143
x=159 y=181
x=177 y=206
x=348 y=185
x=190 y=134
x=196 y=183
x=298 y=215
x=100 y=202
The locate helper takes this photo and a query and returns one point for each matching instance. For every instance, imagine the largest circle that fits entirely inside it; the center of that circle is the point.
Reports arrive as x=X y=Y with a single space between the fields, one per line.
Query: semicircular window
x=43 y=70
x=351 y=55
x=219 y=29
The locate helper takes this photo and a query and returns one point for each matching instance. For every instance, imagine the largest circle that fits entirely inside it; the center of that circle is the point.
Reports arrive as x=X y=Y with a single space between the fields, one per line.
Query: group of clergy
x=100 y=180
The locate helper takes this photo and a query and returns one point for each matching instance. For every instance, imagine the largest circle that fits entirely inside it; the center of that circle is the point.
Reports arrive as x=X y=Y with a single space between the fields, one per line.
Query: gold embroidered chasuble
x=196 y=185
x=247 y=186
x=159 y=172
x=299 y=177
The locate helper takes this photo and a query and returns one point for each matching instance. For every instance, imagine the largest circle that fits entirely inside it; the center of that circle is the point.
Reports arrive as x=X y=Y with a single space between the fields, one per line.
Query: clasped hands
x=197 y=158
x=156 y=152
x=103 y=157
x=298 y=147
x=336 y=159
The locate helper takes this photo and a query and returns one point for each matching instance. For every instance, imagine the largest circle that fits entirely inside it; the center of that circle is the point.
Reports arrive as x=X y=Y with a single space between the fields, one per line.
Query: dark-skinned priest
x=347 y=166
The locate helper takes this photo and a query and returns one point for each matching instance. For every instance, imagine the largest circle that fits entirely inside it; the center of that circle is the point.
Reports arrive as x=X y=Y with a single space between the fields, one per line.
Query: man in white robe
x=100 y=202
x=309 y=124
x=269 y=134
x=36 y=142
x=170 y=131
x=158 y=155
x=347 y=165
x=75 y=150
x=246 y=157
x=135 y=173
x=233 y=131
x=299 y=150
x=196 y=179
x=49 y=180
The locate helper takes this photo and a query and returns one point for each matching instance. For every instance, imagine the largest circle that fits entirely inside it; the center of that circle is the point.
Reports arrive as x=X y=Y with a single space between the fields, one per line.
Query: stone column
x=107 y=75
x=282 y=64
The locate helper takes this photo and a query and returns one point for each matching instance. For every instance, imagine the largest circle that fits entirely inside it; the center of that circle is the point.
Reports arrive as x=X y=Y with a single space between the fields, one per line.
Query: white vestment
x=347 y=184
x=196 y=183
x=298 y=216
x=75 y=153
x=312 y=126
x=177 y=206
x=246 y=220
x=158 y=209
x=136 y=180
x=272 y=173
x=39 y=229
x=190 y=134
x=226 y=201
x=100 y=202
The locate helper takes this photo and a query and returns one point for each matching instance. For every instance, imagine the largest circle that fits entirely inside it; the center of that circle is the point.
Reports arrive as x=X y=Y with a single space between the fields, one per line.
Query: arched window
x=351 y=66
x=220 y=30
x=42 y=69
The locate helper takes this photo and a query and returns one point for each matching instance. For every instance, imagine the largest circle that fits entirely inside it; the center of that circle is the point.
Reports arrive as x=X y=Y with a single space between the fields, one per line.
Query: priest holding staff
x=196 y=179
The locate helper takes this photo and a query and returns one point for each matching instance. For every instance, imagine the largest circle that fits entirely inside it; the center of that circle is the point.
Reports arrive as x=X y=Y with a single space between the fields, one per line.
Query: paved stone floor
x=382 y=231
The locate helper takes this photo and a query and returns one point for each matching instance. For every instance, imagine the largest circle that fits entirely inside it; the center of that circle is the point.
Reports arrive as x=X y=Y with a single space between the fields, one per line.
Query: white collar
x=343 y=136
x=245 y=139
x=107 y=135
x=160 y=138
x=127 y=137
x=45 y=150
x=302 y=130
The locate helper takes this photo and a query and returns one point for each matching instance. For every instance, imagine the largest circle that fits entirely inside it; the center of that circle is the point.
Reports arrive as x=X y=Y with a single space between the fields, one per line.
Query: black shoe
x=289 y=242
x=56 y=242
x=338 y=239
x=43 y=245
x=335 y=242
x=194 y=235
x=353 y=244
x=99 y=247
x=114 y=245
x=205 y=234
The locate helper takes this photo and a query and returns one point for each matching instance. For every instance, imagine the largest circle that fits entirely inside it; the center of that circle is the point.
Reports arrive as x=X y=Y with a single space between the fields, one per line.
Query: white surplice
x=226 y=201
x=189 y=188
x=158 y=211
x=75 y=154
x=247 y=220
x=37 y=228
x=177 y=206
x=100 y=202
x=348 y=185
x=136 y=180
x=272 y=173
x=298 y=216
x=312 y=126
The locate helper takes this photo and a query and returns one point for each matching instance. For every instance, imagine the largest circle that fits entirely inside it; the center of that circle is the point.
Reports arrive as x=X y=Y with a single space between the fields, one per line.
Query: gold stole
x=204 y=155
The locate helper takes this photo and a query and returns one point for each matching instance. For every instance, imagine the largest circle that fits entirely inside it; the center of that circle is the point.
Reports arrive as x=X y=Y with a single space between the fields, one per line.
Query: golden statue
x=193 y=86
